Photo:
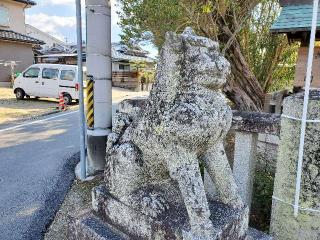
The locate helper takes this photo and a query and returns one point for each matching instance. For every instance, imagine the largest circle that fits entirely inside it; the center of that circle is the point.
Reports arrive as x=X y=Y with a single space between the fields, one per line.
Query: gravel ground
x=77 y=199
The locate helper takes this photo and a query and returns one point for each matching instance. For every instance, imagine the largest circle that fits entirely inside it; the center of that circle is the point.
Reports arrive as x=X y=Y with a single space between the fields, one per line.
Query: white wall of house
x=13 y=18
x=16 y=16
x=47 y=38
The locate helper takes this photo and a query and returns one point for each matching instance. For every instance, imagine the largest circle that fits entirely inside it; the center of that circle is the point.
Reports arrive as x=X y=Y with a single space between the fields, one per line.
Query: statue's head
x=203 y=62
x=188 y=60
x=200 y=61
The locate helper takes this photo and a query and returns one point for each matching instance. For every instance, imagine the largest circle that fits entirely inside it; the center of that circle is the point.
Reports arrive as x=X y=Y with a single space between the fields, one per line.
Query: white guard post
x=305 y=106
x=99 y=64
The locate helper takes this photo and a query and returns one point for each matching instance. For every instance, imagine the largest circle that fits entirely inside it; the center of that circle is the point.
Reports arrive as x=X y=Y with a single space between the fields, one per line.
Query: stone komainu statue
x=153 y=179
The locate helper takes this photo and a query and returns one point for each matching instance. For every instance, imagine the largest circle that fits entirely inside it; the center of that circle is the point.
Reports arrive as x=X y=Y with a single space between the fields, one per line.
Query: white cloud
x=51 y=24
x=62 y=2
x=58 y=25
x=114 y=7
x=114 y=16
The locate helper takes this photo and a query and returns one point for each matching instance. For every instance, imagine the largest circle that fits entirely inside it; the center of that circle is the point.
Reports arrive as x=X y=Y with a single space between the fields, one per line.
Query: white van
x=48 y=81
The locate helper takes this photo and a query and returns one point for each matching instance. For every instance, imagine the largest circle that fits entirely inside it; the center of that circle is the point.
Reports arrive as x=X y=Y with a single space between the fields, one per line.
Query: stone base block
x=115 y=220
x=88 y=226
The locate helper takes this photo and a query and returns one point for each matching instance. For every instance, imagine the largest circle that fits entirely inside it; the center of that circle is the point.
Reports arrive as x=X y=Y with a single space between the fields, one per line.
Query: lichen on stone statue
x=154 y=152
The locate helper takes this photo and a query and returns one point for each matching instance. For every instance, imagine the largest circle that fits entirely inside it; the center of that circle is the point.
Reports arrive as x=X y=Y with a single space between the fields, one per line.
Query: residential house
x=131 y=67
x=52 y=44
x=15 y=45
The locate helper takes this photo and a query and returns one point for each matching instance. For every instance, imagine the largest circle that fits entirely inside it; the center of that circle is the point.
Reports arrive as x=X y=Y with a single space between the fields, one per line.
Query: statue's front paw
x=154 y=204
x=201 y=231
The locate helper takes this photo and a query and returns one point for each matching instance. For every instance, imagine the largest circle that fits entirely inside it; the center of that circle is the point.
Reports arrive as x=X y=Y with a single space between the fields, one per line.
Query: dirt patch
x=12 y=110
x=119 y=94
x=77 y=199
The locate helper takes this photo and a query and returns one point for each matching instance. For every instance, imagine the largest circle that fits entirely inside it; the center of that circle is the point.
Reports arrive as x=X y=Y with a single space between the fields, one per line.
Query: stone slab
x=89 y=226
x=228 y=223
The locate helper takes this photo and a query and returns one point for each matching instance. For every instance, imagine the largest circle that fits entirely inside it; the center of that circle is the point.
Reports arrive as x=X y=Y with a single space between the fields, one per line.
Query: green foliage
x=283 y=75
x=138 y=65
x=148 y=21
x=144 y=70
x=262 y=201
x=270 y=57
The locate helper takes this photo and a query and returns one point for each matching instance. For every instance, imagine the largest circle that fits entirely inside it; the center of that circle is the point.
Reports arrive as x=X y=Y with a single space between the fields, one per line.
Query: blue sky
x=57 y=17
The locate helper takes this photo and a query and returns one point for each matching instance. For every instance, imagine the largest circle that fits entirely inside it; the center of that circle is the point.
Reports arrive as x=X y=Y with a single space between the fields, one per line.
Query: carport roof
x=295 y=18
x=8 y=35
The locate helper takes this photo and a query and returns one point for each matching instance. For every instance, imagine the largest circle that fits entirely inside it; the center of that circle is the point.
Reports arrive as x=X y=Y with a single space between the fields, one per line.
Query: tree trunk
x=242 y=88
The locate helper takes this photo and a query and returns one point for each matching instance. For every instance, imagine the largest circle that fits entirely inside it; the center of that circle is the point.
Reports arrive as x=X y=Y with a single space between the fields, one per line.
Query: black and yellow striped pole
x=90 y=102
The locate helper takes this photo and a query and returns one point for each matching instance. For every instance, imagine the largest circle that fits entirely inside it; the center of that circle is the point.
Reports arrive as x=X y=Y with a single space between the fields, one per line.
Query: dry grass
x=119 y=94
x=12 y=110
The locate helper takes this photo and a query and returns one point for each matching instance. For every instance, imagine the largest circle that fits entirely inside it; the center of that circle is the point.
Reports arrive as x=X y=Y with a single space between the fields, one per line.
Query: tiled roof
x=295 y=18
x=18 y=37
x=26 y=2
x=121 y=52
x=294 y=2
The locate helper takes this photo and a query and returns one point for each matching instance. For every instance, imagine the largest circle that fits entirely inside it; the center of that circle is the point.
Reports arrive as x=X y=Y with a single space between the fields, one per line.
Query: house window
x=4 y=16
x=123 y=67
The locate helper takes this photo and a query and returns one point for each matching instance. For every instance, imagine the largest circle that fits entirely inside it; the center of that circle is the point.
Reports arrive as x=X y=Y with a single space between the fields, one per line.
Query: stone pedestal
x=112 y=219
x=283 y=223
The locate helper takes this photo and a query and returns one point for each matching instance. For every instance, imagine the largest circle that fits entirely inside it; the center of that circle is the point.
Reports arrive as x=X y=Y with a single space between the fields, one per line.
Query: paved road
x=37 y=167
x=37 y=161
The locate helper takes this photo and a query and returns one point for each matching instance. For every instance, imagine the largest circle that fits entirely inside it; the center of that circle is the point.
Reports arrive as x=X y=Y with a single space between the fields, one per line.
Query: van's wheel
x=67 y=99
x=20 y=94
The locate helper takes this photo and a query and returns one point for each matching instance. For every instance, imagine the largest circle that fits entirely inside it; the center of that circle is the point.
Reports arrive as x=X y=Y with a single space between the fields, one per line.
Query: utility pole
x=83 y=172
x=99 y=72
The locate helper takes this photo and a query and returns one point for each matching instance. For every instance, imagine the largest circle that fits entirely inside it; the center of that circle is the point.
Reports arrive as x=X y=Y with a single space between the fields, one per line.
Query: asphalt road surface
x=37 y=161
